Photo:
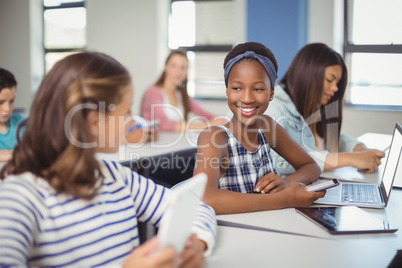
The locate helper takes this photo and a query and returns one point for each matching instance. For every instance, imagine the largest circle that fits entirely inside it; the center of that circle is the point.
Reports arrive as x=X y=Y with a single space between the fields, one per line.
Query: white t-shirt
x=174 y=113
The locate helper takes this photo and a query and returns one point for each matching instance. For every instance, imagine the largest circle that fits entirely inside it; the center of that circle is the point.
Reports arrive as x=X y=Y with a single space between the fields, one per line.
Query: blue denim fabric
x=283 y=111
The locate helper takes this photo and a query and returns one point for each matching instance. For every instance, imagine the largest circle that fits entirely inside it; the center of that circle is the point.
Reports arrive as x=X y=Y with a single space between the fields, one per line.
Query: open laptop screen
x=393 y=159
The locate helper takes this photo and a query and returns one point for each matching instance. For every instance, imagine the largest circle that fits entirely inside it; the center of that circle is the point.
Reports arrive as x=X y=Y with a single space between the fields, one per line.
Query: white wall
x=20 y=31
x=131 y=32
x=135 y=33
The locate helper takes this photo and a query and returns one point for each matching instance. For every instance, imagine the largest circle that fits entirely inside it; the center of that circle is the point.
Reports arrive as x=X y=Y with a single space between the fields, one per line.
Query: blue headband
x=267 y=63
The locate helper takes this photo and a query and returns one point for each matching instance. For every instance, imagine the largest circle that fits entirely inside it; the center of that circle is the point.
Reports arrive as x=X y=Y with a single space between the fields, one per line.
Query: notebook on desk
x=369 y=194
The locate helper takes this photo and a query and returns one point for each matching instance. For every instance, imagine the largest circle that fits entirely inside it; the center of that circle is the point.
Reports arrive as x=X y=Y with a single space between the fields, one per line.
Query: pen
x=137 y=125
x=141 y=125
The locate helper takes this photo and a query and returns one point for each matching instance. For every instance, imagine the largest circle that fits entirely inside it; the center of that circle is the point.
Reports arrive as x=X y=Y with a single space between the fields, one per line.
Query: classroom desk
x=166 y=143
x=168 y=160
x=284 y=238
x=239 y=248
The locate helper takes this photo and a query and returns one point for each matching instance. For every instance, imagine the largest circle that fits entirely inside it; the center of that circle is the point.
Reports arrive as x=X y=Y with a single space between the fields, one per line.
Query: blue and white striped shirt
x=39 y=227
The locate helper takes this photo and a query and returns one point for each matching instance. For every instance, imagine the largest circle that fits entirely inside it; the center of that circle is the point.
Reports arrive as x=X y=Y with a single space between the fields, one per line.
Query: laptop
x=398 y=175
x=369 y=194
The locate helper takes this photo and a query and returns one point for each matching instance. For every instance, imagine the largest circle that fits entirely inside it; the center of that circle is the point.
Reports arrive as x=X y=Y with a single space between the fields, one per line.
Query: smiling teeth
x=248 y=109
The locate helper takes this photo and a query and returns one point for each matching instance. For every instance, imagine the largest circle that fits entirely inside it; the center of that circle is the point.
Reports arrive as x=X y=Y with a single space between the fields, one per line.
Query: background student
x=9 y=121
x=236 y=155
x=60 y=206
x=168 y=100
x=308 y=103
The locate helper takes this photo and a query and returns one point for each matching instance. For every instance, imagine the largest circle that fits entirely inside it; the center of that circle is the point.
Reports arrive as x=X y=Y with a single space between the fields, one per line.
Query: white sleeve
x=319 y=157
x=205 y=226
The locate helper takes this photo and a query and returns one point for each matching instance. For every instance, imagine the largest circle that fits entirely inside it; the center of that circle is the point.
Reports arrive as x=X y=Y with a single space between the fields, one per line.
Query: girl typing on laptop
x=308 y=104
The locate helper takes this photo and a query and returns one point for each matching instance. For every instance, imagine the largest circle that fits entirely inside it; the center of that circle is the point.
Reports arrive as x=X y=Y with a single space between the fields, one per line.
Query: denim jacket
x=283 y=111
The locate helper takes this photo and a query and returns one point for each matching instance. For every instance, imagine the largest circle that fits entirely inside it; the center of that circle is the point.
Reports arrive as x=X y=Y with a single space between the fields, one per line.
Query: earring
x=226 y=96
x=271 y=99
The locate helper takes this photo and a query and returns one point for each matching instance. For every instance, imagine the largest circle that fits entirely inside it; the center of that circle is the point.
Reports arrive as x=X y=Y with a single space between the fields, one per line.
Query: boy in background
x=9 y=121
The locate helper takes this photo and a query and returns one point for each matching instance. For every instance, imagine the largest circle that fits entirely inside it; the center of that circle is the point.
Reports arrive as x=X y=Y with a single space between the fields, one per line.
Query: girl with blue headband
x=236 y=156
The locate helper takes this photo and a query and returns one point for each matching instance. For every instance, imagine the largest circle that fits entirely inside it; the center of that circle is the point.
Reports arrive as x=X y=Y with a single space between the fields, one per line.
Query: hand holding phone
x=323 y=185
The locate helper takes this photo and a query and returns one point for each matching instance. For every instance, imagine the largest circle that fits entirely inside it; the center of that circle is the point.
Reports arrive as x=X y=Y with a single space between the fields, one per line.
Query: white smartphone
x=323 y=185
x=175 y=226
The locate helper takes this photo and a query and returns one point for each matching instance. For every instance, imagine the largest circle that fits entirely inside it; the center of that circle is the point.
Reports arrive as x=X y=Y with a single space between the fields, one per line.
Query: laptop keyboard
x=359 y=193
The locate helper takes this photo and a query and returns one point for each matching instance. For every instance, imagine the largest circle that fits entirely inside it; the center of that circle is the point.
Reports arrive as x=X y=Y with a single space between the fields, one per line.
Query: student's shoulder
x=114 y=171
x=153 y=90
x=267 y=122
x=16 y=119
x=153 y=93
x=111 y=166
x=269 y=126
x=213 y=135
x=26 y=186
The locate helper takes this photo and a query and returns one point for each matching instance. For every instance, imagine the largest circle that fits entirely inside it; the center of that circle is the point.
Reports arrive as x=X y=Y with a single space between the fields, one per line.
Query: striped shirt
x=245 y=168
x=39 y=227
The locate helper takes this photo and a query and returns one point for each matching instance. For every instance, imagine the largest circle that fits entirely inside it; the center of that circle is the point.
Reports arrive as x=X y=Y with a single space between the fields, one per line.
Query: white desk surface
x=290 y=221
x=284 y=238
x=167 y=142
x=239 y=248
x=376 y=140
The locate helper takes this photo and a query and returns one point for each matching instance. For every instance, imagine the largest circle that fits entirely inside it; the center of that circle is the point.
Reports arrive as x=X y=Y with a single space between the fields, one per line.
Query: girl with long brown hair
x=59 y=204
x=308 y=103
x=168 y=101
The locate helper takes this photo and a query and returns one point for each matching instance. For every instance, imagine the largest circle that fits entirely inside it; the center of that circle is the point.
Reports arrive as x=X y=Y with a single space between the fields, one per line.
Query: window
x=205 y=29
x=64 y=29
x=373 y=52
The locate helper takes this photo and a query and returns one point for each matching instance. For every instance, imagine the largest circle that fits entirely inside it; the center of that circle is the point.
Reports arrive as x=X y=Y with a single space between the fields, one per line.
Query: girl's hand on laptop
x=367 y=161
x=193 y=253
x=270 y=183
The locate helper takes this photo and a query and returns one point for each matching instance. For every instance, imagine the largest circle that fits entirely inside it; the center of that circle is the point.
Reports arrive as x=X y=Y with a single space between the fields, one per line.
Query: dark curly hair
x=258 y=48
x=7 y=79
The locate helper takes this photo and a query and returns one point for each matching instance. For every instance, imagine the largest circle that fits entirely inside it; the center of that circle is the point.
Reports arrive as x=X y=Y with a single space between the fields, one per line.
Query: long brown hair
x=182 y=87
x=304 y=83
x=46 y=148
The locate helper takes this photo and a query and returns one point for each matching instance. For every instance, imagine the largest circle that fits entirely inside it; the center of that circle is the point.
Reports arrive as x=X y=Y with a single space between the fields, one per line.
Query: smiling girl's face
x=176 y=69
x=249 y=90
